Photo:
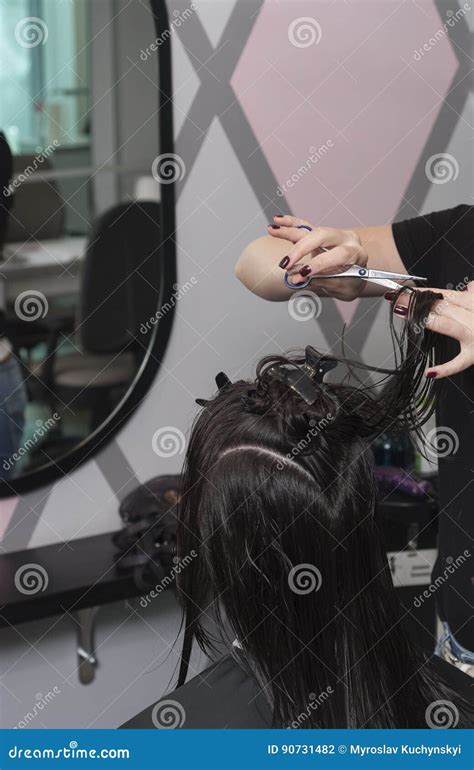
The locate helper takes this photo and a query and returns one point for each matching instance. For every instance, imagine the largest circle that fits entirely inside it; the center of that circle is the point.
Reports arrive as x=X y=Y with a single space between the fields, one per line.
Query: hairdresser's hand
x=452 y=316
x=323 y=250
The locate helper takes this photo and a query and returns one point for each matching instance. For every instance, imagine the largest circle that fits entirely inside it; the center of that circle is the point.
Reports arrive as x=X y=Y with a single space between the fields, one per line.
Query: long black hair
x=278 y=500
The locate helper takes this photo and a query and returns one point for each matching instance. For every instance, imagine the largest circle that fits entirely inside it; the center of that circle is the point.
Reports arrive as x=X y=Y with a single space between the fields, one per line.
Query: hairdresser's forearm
x=258 y=266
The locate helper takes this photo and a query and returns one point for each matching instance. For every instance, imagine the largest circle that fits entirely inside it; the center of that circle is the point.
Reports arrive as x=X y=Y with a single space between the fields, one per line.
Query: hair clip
x=318 y=365
x=306 y=378
x=222 y=380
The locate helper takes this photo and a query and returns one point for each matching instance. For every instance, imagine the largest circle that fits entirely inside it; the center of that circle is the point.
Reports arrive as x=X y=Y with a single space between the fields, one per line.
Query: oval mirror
x=86 y=259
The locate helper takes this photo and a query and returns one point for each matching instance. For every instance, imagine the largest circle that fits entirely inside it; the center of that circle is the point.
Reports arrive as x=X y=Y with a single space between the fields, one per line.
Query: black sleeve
x=437 y=245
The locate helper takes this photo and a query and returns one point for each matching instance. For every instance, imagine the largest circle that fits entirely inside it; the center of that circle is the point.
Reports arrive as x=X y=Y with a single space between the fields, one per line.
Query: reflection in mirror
x=78 y=244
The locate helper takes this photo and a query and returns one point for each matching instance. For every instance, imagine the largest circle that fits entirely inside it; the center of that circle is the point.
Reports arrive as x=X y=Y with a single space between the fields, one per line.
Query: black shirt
x=440 y=246
x=227 y=696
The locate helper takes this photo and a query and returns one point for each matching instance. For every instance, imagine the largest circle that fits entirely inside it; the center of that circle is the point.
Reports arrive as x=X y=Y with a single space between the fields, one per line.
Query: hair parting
x=279 y=500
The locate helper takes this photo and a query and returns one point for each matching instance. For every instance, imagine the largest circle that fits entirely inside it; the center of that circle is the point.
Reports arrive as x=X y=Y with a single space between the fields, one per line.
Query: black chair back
x=120 y=277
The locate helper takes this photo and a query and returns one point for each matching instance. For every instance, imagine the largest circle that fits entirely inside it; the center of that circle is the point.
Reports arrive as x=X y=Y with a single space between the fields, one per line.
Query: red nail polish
x=305 y=270
x=274 y=227
x=431 y=375
x=400 y=310
x=284 y=262
x=390 y=295
x=279 y=216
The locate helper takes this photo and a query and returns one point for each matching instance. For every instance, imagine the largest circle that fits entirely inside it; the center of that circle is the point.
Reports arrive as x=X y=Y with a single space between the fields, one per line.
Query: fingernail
x=400 y=310
x=279 y=215
x=390 y=295
x=274 y=227
x=431 y=375
x=284 y=262
x=305 y=270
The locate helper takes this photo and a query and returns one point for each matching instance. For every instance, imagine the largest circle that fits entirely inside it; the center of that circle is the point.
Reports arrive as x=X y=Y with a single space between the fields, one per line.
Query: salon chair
x=119 y=291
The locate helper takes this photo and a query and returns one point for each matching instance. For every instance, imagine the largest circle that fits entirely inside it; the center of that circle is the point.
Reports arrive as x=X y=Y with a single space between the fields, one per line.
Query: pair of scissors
x=381 y=277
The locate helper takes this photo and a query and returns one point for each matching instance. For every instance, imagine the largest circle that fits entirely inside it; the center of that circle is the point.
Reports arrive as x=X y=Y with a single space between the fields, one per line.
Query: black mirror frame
x=150 y=365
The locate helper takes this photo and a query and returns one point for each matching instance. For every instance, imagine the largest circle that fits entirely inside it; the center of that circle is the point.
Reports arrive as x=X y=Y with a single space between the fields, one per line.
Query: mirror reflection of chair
x=37 y=214
x=119 y=292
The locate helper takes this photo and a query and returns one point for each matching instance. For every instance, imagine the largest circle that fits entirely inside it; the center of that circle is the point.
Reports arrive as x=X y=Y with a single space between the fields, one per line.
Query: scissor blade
x=386 y=282
x=375 y=274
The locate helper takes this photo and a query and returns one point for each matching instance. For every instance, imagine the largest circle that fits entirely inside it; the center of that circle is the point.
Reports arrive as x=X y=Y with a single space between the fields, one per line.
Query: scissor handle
x=285 y=277
x=302 y=285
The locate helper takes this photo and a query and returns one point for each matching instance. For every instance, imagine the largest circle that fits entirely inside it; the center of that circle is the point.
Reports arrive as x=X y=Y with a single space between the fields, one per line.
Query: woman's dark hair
x=278 y=500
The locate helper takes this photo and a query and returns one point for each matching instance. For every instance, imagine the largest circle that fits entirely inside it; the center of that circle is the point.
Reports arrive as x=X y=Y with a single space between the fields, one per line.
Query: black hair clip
x=305 y=378
x=222 y=382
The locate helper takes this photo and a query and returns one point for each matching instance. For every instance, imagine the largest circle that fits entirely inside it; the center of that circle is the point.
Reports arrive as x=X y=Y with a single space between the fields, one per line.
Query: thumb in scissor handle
x=285 y=277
